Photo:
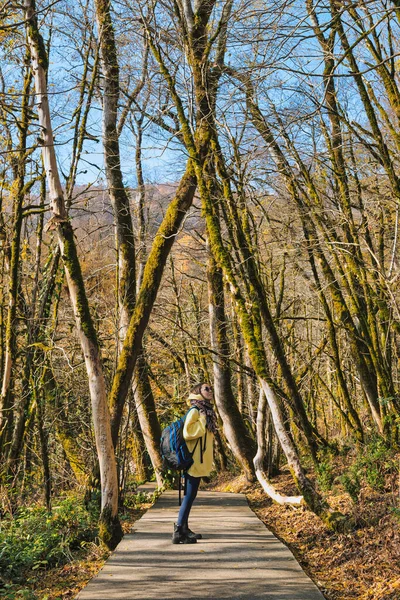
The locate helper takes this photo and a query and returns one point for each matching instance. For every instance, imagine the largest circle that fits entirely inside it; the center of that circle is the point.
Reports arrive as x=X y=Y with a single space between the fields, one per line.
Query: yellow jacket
x=195 y=428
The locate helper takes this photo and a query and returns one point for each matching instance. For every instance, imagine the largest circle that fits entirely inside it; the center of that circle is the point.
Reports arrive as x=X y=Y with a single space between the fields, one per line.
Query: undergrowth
x=41 y=549
x=369 y=465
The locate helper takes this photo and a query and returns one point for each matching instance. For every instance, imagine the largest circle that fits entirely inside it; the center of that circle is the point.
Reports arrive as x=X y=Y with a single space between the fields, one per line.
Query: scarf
x=207 y=409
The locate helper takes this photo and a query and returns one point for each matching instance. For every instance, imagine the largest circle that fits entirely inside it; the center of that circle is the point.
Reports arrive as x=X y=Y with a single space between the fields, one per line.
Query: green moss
x=72 y=264
x=37 y=39
x=336 y=521
x=148 y=291
x=73 y=454
x=110 y=530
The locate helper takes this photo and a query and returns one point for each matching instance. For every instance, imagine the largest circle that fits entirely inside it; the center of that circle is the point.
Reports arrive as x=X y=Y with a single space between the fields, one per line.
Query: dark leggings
x=192 y=485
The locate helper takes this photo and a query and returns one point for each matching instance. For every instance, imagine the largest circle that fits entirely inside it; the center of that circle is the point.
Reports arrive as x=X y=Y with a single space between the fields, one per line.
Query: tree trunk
x=251 y=391
x=6 y=400
x=260 y=457
x=152 y=275
x=116 y=189
x=125 y=235
x=142 y=468
x=235 y=430
x=147 y=415
x=44 y=448
x=110 y=528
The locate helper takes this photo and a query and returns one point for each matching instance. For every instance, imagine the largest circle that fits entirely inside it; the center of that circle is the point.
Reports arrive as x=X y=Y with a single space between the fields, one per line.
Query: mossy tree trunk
x=262 y=457
x=18 y=193
x=251 y=388
x=110 y=528
x=206 y=85
x=138 y=448
x=115 y=185
x=235 y=430
x=198 y=147
x=152 y=275
x=142 y=390
x=240 y=375
x=125 y=240
x=44 y=445
x=147 y=415
x=308 y=217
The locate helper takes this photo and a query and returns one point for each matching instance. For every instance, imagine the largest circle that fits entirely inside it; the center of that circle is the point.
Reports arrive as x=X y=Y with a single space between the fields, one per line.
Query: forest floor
x=66 y=581
x=363 y=563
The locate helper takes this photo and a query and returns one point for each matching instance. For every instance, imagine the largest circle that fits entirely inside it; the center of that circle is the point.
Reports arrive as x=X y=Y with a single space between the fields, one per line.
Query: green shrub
x=371 y=465
x=136 y=500
x=12 y=592
x=375 y=461
x=325 y=475
x=351 y=483
x=35 y=539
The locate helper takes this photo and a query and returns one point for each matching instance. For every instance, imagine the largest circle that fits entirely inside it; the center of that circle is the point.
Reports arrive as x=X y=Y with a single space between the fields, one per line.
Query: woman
x=199 y=430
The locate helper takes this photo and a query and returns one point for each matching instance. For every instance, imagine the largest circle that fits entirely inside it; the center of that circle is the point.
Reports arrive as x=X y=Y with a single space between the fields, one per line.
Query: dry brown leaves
x=362 y=564
x=65 y=582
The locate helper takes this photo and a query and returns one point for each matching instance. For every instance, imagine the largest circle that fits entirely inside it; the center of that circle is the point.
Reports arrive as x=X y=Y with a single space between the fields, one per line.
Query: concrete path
x=238 y=557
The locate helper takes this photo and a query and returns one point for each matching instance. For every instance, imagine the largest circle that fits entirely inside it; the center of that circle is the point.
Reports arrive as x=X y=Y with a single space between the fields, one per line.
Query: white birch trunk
x=59 y=220
x=259 y=458
x=7 y=373
x=283 y=436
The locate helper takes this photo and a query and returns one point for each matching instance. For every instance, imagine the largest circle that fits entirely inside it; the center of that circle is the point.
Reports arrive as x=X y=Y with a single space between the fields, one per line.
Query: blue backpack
x=173 y=448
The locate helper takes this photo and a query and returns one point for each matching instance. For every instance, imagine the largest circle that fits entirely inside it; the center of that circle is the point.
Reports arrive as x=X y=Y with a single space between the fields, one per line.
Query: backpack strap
x=195 y=446
x=202 y=448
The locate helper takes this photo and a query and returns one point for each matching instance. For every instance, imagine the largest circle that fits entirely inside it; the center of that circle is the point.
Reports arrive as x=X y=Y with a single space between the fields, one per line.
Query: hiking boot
x=180 y=537
x=190 y=534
